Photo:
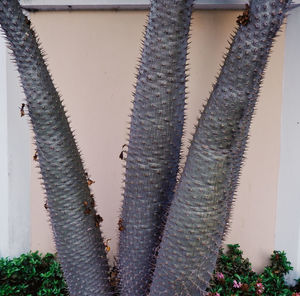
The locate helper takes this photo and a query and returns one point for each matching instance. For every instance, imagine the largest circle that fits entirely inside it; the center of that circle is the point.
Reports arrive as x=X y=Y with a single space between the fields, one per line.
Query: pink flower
x=220 y=276
x=296 y=294
x=236 y=284
x=260 y=288
x=217 y=294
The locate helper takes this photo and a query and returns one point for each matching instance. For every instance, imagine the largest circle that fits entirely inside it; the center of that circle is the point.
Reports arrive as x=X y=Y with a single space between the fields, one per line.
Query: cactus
x=154 y=143
x=201 y=206
x=78 y=239
x=185 y=229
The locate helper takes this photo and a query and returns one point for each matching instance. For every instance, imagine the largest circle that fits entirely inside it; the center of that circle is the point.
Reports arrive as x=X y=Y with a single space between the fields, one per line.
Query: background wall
x=93 y=58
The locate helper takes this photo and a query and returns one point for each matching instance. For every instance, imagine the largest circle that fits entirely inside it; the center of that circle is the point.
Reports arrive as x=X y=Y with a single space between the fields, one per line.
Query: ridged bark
x=78 y=240
x=201 y=205
x=155 y=141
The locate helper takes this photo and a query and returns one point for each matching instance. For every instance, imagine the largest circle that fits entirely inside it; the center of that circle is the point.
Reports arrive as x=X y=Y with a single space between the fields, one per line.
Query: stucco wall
x=92 y=57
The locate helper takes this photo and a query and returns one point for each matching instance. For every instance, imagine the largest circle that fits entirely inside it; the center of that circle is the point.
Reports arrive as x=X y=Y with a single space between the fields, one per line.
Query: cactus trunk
x=201 y=205
x=78 y=239
x=155 y=141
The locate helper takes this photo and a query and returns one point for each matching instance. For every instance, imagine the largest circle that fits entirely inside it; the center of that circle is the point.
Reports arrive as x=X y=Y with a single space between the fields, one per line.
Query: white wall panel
x=287 y=236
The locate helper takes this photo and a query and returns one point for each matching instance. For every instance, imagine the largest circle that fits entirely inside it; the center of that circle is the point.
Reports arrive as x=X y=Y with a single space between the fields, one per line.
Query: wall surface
x=287 y=218
x=93 y=58
x=14 y=162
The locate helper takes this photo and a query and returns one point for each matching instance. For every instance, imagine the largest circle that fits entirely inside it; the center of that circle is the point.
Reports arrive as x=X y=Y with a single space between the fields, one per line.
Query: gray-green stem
x=78 y=240
x=202 y=202
x=155 y=141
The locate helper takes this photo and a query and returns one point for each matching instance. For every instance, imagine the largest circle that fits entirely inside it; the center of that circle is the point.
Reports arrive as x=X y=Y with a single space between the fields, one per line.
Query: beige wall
x=93 y=55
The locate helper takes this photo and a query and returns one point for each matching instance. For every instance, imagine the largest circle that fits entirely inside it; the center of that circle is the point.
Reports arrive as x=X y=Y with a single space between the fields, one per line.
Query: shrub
x=234 y=276
x=31 y=275
x=35 y=275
